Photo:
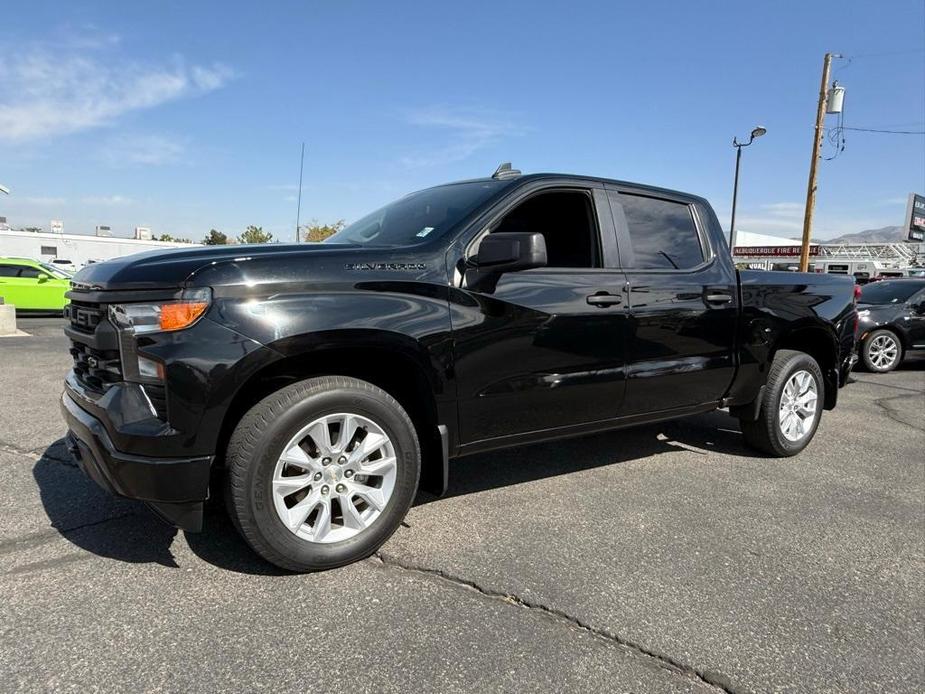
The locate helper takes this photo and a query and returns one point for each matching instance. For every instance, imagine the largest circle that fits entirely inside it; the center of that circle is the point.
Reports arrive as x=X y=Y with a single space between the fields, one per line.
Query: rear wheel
x=881 y=351
x=322 y=472
x=790 y=408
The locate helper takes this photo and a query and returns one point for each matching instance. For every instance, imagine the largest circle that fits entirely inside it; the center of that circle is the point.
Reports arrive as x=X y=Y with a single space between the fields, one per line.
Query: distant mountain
x=892 y=234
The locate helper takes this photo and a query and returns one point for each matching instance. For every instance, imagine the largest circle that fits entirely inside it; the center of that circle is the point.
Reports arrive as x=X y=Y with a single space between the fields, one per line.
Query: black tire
x=257 y=443
x=765 y=433
x=884 y=335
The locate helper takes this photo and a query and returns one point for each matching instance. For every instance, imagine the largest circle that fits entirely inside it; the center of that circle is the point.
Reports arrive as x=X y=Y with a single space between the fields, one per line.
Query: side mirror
x=504 y=252
x=43 y=278
x=509 y=252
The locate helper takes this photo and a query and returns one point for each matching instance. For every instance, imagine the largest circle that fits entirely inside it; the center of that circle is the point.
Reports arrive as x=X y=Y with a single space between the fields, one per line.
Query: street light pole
x=735 y=197
x=817 y=146
x=758 y=131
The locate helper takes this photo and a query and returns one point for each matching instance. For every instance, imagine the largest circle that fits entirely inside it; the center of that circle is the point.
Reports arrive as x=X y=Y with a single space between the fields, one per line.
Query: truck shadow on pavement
x=126 y=531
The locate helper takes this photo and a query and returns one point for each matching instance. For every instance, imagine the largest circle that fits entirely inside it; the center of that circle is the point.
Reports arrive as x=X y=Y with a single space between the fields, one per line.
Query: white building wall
x=77 y=248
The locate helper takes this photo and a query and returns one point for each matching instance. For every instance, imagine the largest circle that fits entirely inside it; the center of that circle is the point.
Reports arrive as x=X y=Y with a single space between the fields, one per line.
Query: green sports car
x=31 y=285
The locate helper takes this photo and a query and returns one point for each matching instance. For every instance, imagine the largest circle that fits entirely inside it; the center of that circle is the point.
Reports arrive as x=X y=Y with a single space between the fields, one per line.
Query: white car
x=64 y=264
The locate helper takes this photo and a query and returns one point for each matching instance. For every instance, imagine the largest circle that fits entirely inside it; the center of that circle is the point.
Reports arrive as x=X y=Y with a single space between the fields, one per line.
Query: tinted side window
x=567 y=222
x=662 y=233
x=30 y=272
x=9 y=271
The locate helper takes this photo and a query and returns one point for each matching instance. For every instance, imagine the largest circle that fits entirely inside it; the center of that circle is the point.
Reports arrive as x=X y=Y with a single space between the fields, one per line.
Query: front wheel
x=322 y=472
x=881 y=351
x=791 y=406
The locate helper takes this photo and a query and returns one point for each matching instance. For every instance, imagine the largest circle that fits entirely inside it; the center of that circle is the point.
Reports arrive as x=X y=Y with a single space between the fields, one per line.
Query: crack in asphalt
x=660 y=660
x=892 y=413
x=29 y=540
x=886 y=385
x=37 y=454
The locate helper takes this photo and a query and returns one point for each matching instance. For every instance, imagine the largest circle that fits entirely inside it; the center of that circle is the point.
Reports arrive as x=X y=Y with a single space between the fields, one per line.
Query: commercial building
x=79 y=249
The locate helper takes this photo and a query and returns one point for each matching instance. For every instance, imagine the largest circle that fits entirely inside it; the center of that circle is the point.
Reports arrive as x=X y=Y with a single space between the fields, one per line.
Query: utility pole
x=818 y=134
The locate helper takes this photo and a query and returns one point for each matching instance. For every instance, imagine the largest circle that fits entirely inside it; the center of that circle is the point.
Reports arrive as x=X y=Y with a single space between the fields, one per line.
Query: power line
x=892 y=132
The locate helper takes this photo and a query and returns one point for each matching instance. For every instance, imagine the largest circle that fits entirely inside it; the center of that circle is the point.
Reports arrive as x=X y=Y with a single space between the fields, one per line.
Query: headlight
x=152 y=317
x=161 y=316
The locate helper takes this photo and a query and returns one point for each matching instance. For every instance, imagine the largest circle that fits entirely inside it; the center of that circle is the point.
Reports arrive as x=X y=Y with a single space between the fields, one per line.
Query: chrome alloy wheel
x=883 y=351
x=798 y=401
x=334 y=478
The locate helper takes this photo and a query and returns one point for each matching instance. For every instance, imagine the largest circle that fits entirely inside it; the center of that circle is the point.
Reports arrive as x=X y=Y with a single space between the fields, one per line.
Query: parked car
x=324 y=383
x=32 y=285
x=892 y=322
x=64 y=264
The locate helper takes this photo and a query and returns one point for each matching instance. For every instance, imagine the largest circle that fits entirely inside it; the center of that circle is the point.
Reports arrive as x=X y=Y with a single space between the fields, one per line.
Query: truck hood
x=167 y=269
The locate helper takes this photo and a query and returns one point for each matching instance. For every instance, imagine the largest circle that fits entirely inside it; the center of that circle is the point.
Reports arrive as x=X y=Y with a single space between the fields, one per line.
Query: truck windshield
x=889 y=292
x=419 y=217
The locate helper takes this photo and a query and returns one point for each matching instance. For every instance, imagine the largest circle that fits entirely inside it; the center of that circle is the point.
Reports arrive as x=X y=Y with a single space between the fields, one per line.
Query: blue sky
x=185 y=116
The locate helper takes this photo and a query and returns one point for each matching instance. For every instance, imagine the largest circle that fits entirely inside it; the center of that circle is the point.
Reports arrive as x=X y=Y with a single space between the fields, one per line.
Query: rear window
x=889 y=292
x=662 y=233
x=9 y=271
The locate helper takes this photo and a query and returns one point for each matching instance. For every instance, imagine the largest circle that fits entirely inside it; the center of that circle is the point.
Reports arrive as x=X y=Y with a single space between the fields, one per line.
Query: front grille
x=84 y=317
x=94 y=368
x=95 y=347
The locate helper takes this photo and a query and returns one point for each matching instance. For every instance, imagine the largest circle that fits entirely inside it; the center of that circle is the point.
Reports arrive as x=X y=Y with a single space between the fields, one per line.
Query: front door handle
x=604 y=299
x=718 y=298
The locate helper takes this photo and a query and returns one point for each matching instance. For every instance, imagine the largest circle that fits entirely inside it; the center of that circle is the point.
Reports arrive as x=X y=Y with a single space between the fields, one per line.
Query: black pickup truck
x=318 y=386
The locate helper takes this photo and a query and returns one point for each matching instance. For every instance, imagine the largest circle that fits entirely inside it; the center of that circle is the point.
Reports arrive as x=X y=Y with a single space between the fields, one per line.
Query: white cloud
x=46 y=91
x=144 y=150
x=768 y=225
x=107 y=200
x=41 y=201
x=467 y=130
x=785 y=209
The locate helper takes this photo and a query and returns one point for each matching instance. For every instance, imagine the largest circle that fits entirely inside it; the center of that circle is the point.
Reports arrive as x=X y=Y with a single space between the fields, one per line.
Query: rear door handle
x=604 y=299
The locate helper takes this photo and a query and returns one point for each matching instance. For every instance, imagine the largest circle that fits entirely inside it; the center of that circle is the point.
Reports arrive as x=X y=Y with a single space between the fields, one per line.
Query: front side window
x=30 y=273
x=662 y=233
x=567 y=222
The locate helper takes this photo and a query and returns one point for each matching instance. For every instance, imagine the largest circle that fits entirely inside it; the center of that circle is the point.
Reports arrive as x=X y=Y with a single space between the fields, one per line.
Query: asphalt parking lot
x=665 y=558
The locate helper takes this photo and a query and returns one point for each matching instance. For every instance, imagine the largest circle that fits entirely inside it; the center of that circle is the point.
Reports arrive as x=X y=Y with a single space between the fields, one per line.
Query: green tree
x=215 y=238
x=172 y=239
x=255 y=234
x=319 y=232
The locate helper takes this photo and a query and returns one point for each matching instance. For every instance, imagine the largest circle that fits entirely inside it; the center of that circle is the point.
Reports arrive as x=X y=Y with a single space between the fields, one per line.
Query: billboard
x=773 y=251
x=914 y=223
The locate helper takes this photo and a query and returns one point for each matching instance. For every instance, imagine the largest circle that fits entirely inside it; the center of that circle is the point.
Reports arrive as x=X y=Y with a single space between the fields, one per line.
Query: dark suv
x=892 y=315
x=322 y=384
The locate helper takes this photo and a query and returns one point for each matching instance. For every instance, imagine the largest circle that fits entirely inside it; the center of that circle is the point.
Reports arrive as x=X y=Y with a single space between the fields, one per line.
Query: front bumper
x=174 y=488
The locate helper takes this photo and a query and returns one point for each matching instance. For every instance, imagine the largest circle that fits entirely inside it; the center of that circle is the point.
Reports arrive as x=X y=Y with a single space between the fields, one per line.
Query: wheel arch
x=819 y=342
x=901 y=335
x=398 y=364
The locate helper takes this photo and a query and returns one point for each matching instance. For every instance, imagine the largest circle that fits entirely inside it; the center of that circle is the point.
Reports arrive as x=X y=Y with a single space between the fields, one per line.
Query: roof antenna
x=504 y=171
